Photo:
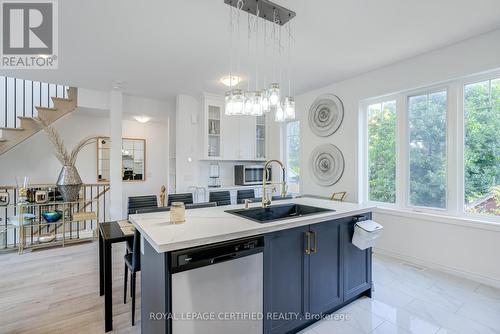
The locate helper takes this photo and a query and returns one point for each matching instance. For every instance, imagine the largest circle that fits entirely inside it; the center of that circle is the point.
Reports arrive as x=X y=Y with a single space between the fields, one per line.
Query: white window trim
x=284 y=141
x=461 y=145
x=406 y=140
x=364 y=148
x=455 y=121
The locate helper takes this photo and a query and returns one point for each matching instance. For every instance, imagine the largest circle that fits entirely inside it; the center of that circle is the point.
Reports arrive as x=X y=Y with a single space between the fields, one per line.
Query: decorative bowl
x=52 y=216
x=46 y=238
x=28 y=217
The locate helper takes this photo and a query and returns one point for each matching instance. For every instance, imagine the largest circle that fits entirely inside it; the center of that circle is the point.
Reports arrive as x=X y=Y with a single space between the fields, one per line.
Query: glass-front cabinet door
x=260 y=137
x=213 y=130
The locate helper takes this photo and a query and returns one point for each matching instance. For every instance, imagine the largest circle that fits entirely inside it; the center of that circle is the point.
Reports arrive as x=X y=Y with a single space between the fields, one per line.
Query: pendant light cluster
x=269 y=98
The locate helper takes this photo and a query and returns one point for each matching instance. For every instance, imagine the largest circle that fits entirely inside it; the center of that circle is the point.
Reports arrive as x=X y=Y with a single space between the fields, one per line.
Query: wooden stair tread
x=46 y=108
x=61 y=99
x=13 y=129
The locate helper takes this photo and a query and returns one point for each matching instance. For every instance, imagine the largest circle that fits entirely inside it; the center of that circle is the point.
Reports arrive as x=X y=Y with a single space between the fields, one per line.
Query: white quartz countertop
x=209 y=225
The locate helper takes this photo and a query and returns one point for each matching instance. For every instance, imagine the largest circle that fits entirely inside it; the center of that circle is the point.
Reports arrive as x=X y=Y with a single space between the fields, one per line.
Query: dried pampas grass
x=65 y=158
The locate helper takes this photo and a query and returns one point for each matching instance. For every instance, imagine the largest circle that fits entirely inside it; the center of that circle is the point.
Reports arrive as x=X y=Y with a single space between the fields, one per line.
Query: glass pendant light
x=265 y=102
x=228 y=100
x=274 y=94
x=289 y=108
x=257 y=104
x=238 y=102
x=279 y=115
x=249 y=102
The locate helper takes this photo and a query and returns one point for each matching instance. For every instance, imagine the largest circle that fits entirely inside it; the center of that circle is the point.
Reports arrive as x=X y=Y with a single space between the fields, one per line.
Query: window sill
x=464 y=221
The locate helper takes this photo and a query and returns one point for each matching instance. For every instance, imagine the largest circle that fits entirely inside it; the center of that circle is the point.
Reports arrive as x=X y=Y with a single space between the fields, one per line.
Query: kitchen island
x=308 y=265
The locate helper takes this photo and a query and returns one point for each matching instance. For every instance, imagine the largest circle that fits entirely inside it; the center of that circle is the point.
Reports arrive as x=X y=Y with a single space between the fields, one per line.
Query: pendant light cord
x=231 y=29
x=257 y=49
x=239 y=6
x=289 y=58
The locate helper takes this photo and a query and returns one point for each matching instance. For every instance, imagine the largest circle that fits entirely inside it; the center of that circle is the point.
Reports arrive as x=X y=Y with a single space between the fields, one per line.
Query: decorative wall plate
x=326 y=115
x=327 y=164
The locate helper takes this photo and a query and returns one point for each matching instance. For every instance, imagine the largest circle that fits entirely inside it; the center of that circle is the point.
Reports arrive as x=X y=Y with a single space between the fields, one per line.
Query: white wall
x=458 y=249
x=469 y=57
x=34 y=156
x=157 y=153
x=188 y=142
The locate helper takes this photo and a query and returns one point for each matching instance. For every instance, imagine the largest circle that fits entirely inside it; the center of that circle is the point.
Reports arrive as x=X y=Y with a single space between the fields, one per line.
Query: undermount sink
x=277 y=212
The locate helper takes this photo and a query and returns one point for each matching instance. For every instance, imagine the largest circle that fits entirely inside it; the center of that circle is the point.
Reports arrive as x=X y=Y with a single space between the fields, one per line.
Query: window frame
x=455 y=145
x=364 y=134
x=492 y=75
x=284 y=131
x=425 y=91
x=365 y=140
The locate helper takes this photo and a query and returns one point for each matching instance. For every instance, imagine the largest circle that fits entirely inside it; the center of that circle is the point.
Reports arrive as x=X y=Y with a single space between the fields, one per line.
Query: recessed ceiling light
x=230 y=80
x=142 y=119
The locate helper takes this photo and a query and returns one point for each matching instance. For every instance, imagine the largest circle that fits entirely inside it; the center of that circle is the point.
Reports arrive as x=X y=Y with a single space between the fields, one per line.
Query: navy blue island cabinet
x=311 y=271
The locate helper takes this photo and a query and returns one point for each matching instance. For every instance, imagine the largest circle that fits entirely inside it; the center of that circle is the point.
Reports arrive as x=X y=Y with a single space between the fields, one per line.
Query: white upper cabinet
x=213 y=111
x=246 y=137
x=260 y=137
x=231 y=137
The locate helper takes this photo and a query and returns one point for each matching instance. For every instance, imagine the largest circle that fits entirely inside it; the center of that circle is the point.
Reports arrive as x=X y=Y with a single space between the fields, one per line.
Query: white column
x=115 y=173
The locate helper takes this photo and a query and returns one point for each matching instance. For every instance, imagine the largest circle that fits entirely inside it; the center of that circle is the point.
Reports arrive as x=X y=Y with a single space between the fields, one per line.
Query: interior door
x=325 y=278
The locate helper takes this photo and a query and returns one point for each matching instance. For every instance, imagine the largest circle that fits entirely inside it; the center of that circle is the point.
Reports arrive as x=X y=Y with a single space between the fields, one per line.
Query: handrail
x=93 y=200
x=106 y=189
x=41 y=185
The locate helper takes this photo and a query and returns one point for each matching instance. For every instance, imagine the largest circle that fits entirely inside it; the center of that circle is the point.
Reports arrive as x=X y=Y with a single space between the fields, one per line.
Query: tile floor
x=56 y=291
x=409 y=300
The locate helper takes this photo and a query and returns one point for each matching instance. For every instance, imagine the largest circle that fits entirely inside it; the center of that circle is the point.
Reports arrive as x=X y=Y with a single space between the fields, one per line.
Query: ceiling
x=161 y=48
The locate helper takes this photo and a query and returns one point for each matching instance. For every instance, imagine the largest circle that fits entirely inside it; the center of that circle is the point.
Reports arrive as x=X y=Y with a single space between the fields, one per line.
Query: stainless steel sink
x=277 y=212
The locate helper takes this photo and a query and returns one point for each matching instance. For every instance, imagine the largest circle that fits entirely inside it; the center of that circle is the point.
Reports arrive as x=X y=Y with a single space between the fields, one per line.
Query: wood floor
x=57 y=291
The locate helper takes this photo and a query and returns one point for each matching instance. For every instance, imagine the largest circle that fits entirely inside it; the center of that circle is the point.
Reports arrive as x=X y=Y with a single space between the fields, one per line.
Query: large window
x=482 y=147
x=382 y=152
x=427 y=149
x=436 y=149
x=292 y=155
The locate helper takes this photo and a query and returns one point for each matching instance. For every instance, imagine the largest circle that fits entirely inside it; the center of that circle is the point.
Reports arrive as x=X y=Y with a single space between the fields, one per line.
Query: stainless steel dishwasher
x=218 y=288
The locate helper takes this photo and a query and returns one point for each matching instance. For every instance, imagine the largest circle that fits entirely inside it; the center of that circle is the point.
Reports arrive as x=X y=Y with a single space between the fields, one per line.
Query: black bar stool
x=220 y=197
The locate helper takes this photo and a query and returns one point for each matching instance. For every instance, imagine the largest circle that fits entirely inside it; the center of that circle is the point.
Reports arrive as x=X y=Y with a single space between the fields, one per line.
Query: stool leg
x=132 y=288
x=125 y=277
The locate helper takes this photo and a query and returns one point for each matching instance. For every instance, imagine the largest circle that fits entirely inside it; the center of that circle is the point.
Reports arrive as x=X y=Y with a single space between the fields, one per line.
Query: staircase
x=11 y=137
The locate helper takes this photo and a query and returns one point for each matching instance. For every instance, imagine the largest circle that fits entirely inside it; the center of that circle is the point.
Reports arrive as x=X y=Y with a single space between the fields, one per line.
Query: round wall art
x=326 y=115
x=327 y=164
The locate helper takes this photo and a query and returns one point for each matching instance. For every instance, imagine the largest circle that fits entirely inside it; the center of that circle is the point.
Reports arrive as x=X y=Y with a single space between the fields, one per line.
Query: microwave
x=246 y=175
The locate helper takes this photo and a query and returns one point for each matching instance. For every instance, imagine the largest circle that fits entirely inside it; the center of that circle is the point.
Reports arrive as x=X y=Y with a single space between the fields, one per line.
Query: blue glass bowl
x=52 y=216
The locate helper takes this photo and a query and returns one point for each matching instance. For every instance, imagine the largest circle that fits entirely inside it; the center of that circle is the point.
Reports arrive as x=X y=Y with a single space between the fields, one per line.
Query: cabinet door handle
x=308 y=244
x=315 y=249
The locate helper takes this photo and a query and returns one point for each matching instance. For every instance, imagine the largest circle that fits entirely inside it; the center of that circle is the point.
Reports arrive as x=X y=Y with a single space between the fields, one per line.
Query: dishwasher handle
x=202 y=256
x=223 y=258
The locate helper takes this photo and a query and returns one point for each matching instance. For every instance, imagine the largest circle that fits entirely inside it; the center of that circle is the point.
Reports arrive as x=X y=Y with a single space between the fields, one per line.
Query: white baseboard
x=440 y=267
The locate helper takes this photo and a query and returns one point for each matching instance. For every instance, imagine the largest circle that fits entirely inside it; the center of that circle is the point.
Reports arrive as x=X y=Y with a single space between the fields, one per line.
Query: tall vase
x=69 y=183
